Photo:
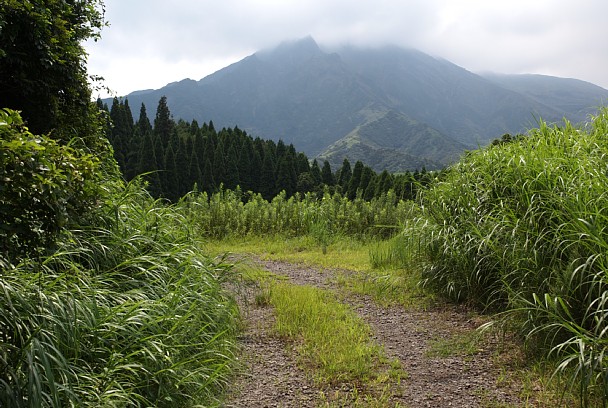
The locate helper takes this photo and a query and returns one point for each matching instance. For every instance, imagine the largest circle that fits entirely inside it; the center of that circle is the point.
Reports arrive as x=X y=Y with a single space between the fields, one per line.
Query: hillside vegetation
x=313 y=97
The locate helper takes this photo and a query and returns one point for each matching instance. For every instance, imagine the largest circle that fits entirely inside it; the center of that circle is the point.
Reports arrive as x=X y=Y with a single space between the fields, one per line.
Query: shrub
x=44 y=187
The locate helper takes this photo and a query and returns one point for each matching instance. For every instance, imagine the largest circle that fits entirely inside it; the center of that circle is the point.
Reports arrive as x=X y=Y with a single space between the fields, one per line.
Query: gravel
x=271 y=376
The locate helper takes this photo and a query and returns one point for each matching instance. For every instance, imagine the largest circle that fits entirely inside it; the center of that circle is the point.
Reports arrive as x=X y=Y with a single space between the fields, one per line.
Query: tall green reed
x=230 y=213
x=126 y=314
x=522 y=227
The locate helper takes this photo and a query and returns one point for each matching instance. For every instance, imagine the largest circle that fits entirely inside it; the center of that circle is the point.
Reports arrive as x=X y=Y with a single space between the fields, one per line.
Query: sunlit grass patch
x=458 y=344
x=334 y=340
x=344 y=253
x=332 y=343
x=387 y=287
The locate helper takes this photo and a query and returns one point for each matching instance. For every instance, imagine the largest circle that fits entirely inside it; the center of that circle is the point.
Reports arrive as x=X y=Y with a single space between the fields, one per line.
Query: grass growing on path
x=332 y=343
x=334 y=340
x=364 y=267
x=343 y=253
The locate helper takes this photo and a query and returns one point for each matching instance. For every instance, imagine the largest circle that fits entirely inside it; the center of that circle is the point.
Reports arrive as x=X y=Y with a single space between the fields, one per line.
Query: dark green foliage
x=355 y=180
x=327 y=177
x=267 y=184
x=245 y=165
x=232 y=176
x=208 y=184
x=287 y=178
x=163 y=123
x=45 y=187
x=170 y=180
x=42 y=67
x=315 y=172
x=344 y=174
x=303 y=165
x=305 y=183
x=219 y=162
x=195 y=174
x=235 y=159
x=366 y=179
x=143 y=126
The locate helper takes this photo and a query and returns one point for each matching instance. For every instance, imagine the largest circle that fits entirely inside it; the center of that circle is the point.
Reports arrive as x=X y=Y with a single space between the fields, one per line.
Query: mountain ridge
x=314 y=97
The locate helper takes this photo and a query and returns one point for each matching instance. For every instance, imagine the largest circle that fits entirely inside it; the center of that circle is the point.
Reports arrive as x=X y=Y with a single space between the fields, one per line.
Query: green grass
x=130 y=313
x=458 y=344
x=334 y=340
x=331 y=341
x=388 y=284
x=520 y=226
x=343 y=253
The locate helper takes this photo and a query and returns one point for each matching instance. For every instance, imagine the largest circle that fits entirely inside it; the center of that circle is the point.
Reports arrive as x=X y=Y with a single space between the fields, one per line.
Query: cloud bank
x=150 y=42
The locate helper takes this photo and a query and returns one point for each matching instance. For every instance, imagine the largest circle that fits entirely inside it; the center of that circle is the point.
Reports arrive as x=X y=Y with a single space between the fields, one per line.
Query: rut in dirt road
x=273 y=378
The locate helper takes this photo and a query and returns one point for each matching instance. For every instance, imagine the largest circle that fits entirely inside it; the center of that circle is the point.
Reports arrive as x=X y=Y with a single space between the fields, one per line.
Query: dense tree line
x=179 y=156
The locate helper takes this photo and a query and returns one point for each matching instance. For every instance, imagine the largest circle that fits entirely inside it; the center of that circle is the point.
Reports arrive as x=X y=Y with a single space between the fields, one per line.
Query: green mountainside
x=567 y=95
x=313 y=98
x=394 y=142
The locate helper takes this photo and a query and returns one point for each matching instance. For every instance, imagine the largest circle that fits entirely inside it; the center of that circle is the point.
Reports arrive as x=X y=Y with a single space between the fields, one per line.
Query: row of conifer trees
x=178 y=157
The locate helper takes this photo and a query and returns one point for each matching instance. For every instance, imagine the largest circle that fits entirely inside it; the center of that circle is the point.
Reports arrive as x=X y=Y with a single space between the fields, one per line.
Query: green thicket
x=43 y=66
x=46 y=187
x=127 y=312
x=521 y=226
x=105 y=297
x=178 y=157
x=226 y=214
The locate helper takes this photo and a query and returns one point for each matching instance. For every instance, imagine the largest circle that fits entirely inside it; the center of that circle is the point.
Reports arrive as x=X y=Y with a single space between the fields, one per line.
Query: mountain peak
x=298 y=50
x=313 y=97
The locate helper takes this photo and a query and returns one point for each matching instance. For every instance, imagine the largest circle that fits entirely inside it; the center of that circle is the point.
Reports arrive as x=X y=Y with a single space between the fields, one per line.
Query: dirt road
x=273 y=378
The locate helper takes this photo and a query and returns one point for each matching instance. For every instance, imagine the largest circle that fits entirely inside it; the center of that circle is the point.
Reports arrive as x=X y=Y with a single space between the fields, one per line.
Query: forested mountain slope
x=311 y=97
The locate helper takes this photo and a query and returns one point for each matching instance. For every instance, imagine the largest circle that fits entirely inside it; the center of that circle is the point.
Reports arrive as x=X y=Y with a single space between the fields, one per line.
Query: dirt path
x=273 y=379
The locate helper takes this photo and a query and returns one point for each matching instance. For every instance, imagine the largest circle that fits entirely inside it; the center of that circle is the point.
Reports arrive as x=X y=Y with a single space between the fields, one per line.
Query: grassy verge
x=388 y=283
x=128 y=314
x=521 y=226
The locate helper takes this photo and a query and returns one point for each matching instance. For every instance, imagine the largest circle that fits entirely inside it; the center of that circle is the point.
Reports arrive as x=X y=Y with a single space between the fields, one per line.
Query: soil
x=272 y=377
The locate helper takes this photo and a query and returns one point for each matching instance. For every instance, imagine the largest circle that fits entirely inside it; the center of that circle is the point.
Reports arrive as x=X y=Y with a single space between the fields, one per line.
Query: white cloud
x=153 y=42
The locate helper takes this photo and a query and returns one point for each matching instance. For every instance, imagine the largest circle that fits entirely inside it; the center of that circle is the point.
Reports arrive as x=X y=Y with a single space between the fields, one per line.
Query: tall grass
x=523 y=226
x=229 y=214
x=128 y=314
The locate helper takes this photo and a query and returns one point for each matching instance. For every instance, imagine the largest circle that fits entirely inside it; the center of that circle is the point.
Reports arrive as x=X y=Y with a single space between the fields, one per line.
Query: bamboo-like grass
x=234 y=214
x=523 y=227
x=126 y=314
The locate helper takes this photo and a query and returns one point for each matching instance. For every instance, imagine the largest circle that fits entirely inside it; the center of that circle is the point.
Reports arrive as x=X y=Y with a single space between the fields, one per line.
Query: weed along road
x=310 y=341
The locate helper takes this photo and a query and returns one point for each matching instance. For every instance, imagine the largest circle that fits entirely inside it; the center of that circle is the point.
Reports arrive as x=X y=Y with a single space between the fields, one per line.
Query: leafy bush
x=44 y=187
x=522 y=226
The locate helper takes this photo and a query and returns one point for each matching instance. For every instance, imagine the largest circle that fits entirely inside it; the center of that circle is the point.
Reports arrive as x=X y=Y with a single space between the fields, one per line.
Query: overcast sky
x=154 y=42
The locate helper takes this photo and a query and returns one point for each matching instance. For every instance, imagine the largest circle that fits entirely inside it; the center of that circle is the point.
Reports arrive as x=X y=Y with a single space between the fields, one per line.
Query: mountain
x=395 y=142
x=397 y=107
x=567 y=95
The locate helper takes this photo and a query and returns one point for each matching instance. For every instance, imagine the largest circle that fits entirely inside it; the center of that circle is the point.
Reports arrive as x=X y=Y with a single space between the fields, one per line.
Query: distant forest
x=177 y=157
